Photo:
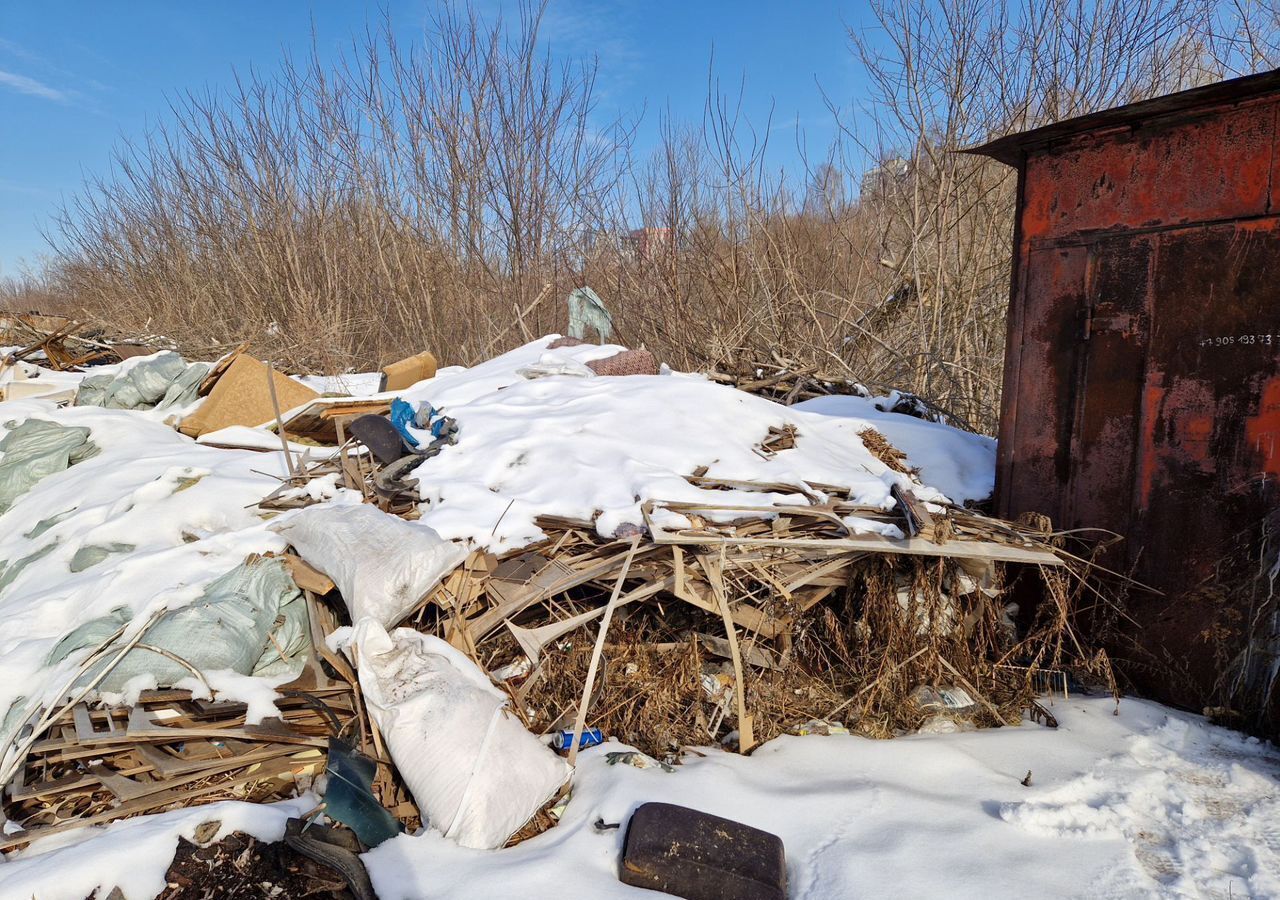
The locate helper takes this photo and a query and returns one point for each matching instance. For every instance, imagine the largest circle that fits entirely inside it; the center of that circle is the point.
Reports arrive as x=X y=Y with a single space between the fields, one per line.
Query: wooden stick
x=746 y=737
x=581 y=720
x=275 y=405
x=976 y=693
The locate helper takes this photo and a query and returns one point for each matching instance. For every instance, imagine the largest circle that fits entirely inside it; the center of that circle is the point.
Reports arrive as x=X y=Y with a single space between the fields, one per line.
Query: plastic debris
x=476 y=773
x=36 y=449
x=164 y=381
x=588 y=312
x=820 y=726
x=945 y=699
x=382 y=565
x=349 y=799
x=250 y=621
x=636 y=760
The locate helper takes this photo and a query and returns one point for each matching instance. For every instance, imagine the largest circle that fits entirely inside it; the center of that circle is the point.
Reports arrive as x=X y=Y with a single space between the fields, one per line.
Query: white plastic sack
x=475 y=772
x=382 y=565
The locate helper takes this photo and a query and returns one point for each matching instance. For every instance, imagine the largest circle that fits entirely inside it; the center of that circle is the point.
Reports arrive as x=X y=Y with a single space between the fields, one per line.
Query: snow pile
x=574 y=446
x=1125 y=805
x=960 y=464
x=153 y=517
x=919 y=816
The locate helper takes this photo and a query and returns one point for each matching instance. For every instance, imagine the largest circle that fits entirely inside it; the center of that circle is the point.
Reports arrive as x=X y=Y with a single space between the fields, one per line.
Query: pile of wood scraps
x=171 y=750
x=57 y=342
x=167 y=751
x=747 y=623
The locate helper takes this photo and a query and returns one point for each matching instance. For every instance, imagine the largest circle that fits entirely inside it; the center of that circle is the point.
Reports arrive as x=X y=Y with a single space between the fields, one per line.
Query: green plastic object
x=163 y=382
x=251 y=620
x=588 y=312
x=349 y=796
x=36 y=449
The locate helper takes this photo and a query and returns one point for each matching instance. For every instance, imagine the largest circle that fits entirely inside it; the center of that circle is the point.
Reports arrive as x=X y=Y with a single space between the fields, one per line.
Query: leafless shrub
x=448 y=194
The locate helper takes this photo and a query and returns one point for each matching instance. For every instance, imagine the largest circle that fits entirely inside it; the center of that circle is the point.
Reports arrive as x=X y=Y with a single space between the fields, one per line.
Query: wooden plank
x=816 y=573
x=127 y=789
x=318 y=419
x=306 y=576
x=491 y=619
x=960 y=548
x=917 y=517
x=743 y=614
x=268 y=770
x=584 y=704
x=746 y=736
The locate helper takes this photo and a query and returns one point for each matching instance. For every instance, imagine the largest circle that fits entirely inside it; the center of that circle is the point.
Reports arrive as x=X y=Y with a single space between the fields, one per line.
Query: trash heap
x=64 y=344
x=469 y=567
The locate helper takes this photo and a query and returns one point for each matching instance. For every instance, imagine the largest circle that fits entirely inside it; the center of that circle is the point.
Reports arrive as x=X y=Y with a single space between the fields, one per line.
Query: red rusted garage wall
x=1142 y=383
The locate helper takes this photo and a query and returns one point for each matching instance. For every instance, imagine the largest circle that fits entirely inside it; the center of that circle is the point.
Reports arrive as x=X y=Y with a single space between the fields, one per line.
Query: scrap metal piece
x=349 y=797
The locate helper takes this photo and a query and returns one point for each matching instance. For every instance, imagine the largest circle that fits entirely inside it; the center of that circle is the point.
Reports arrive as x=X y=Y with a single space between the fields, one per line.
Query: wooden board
x=318 y=420
x=958 y=548
x=242 y=396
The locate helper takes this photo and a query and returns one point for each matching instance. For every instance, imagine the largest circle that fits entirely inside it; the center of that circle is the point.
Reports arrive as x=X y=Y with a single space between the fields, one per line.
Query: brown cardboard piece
x=399 y=375
x=242 y=396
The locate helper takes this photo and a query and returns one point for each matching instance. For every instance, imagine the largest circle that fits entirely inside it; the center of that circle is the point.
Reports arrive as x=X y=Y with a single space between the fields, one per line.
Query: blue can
x=563 y=740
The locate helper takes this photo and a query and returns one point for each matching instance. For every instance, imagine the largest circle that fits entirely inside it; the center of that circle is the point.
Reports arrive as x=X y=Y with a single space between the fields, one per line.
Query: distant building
x=647 y=243
x=879 y=181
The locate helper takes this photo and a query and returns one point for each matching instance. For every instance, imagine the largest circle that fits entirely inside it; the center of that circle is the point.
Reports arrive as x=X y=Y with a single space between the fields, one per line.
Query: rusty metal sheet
x=1047 y=353
x=1108 y=401
x=1144 y=361
x=1199 y=170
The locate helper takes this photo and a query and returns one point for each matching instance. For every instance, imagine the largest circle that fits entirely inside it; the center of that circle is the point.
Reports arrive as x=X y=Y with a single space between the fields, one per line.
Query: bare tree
x=449 y=192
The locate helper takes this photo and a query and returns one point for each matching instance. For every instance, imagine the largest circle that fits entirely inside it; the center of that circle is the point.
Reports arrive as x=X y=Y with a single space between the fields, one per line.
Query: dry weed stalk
x=436 y=194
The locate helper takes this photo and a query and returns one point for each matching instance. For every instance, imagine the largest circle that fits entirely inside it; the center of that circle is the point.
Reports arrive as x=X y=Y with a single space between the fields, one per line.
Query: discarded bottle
x=563 y=740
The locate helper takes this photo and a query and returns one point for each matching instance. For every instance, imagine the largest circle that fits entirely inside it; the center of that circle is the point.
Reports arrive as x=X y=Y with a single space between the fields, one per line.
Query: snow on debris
x=572 y=445
x=187 y=513
x=957 y=463
x=1140 y=803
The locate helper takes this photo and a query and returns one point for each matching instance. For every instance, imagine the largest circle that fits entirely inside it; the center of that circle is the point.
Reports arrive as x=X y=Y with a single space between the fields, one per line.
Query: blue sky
x=76 y=78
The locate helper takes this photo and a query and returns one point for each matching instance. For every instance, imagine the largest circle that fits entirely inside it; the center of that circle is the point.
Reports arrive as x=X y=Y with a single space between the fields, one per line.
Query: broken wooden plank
x=961 y=548
x=266 y=771
x=918 y=519
x=746 y=736
x=306 y=576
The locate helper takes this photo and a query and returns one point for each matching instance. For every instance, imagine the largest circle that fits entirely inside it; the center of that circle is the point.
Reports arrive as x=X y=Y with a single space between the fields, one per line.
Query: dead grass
x=341 y=216
x=879 y=447
x=856 y=658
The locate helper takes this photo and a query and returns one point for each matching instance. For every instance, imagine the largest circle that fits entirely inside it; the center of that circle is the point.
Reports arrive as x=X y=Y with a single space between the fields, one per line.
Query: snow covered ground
x=1144 y=803
x=1149 y=802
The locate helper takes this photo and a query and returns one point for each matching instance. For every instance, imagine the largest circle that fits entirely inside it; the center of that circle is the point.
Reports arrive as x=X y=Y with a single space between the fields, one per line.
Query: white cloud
x=24 y=85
